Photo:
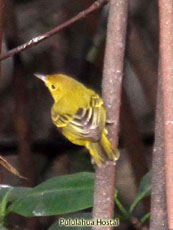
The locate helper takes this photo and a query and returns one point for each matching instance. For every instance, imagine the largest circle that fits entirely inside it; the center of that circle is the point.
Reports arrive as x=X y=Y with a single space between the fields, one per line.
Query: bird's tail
x=102 y=151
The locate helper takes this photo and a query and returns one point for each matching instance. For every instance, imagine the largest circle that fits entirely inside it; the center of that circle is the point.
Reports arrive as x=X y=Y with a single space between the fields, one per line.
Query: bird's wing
x=61 y=120
x=87 y=123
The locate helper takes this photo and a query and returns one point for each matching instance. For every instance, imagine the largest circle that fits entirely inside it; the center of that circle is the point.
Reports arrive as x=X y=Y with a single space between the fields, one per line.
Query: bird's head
x=56 y=83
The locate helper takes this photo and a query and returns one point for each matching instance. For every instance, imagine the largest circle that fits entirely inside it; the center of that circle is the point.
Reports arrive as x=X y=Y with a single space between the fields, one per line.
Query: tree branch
x=166 y=69
x=2 y=8
x=158 y=218
x=35 y=41
x=112 y=78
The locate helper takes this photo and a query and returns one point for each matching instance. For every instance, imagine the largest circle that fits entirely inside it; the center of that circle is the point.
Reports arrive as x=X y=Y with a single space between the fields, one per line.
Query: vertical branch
x=112 y=78
x=166 y=69
x=2 y=6
x=158 y=218
x=25 y=155
x=26 y=158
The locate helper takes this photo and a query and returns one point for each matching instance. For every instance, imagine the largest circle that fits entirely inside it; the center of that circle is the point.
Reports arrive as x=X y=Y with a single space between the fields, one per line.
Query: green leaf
x=143 y=191
x=8 y=194
x=126 y=214
x=58 y=195
x=2 y=227
x=145 y=218
x=145 y=185
x=15 y=192
x=3 y=206
x=84 y=216
x=3 y=190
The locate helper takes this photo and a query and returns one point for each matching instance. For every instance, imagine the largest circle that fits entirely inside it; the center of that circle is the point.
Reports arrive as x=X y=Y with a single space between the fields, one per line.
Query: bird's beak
x=41 y=76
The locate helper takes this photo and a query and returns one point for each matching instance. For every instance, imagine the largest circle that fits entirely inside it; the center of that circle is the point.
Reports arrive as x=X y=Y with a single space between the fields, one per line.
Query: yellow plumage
x=80 y=115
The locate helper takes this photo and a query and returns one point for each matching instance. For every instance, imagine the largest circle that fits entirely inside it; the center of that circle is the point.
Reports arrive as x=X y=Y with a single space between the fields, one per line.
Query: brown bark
x=2 y=8
x=166 y=74
x=112 y=79
x=158 y=218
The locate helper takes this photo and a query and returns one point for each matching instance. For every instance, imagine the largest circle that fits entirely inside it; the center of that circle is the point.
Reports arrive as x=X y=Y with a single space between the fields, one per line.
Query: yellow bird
x=79 y=113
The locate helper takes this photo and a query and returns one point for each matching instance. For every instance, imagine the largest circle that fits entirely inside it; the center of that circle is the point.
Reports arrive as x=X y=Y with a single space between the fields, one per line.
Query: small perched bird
x=79 y=113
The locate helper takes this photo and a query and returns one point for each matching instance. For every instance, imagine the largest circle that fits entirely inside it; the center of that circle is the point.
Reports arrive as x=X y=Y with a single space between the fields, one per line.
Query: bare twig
x=166 y=68
x=158 y=218
x=112 y=78
x=10 y=168
x=95 y=6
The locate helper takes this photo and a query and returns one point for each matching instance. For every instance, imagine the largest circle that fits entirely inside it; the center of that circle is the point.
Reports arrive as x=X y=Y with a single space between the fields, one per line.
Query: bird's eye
x=53 y=87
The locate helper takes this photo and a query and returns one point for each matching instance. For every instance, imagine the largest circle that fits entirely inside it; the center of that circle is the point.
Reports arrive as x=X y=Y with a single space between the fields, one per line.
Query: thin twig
x=10 y=168
x=166 y=68
x=112 y=78
x=95 y=6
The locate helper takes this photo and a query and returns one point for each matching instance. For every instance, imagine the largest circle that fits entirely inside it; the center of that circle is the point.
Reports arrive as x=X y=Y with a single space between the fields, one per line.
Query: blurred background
x=28 y=138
